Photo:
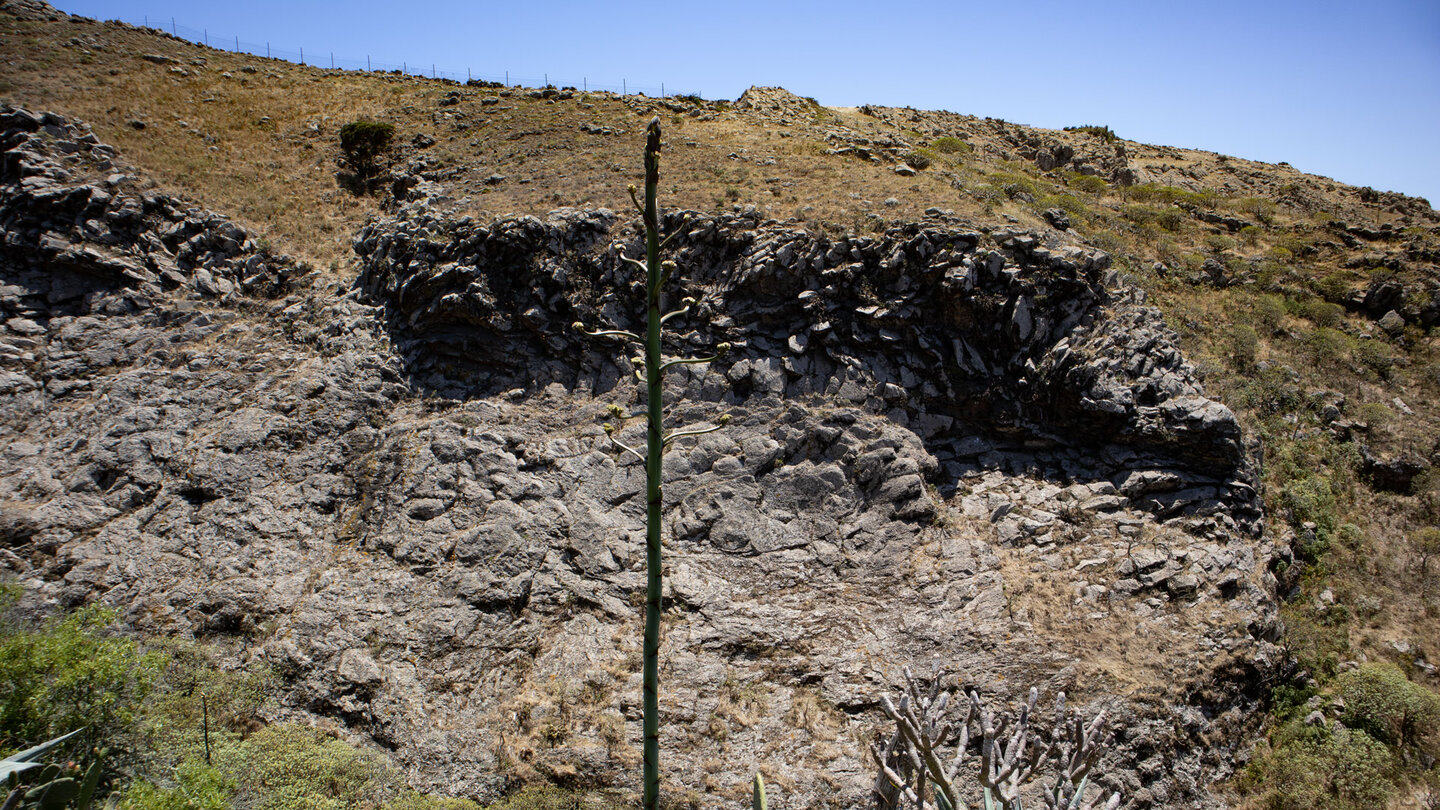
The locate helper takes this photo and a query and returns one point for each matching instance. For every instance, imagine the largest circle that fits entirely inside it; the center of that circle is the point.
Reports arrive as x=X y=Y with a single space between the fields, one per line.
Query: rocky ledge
x=946 y=444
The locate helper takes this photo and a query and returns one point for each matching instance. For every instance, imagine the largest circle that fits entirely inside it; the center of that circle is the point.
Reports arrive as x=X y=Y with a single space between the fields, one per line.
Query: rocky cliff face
x=395 y=491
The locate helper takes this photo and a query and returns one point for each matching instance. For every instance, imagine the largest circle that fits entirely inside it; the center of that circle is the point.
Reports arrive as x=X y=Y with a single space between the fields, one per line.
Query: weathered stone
x=394 y=490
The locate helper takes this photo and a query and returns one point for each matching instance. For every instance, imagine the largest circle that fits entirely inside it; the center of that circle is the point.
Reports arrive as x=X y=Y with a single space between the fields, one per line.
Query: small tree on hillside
x=363 y=142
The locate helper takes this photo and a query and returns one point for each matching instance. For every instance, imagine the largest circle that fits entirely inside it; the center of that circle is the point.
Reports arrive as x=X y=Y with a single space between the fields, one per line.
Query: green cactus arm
x=55 y=794
x=630 y=336
x=679 y=229
x=635 y=262
x=720 y=351
x=88 y=787
x=688 y=303
x=683 y=434
x=635 y=199
x=757 y=795
x=610 y=434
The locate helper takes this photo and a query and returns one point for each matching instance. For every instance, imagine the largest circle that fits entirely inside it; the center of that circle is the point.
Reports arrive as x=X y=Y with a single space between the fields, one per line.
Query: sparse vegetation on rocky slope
x=961 y=429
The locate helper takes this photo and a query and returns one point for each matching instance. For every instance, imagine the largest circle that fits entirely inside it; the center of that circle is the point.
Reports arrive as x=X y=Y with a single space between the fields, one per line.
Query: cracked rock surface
x=978 y=447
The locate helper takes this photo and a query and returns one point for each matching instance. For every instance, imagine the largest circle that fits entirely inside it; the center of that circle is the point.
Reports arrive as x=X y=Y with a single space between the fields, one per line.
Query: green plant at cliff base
x=72 y=673
x=651 y=369
x=918 y=772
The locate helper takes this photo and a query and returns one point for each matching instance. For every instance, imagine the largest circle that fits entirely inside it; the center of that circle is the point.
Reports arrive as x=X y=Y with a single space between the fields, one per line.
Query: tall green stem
x=655 y=450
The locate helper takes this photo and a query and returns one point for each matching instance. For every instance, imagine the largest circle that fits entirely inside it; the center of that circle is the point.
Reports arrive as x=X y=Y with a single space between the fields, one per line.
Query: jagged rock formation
x=976 y=350
x=397 y=494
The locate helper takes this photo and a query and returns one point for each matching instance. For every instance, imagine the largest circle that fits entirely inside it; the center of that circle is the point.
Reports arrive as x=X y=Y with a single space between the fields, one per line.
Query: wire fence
x=329 y=59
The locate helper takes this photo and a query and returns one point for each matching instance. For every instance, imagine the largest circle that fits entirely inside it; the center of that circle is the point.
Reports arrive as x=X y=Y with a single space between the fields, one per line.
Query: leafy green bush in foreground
x=70 y=673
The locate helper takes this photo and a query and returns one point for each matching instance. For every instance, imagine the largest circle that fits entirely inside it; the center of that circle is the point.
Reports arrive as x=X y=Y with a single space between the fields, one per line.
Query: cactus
x=51 y=791
x=757 y=795
x=913 y=769
x=650 y=368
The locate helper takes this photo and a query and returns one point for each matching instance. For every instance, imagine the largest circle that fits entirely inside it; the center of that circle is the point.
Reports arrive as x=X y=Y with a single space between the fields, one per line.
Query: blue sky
x=1346 y=90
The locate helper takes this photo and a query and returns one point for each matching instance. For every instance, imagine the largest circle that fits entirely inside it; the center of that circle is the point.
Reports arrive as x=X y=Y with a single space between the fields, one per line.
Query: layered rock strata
x=395 y=492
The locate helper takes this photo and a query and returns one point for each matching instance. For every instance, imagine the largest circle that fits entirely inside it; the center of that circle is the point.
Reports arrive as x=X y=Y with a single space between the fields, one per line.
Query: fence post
x=547 y=79
x=404 y=68
x=172 y=27
x=585 y=84
x=624 y=90
x=433 y=74
x=237 y=43
x=207 y=36
x=332 y=60
x=507 y=78
x=267 y=50
x=662 y=90
x=367 y=63
x=302 y=54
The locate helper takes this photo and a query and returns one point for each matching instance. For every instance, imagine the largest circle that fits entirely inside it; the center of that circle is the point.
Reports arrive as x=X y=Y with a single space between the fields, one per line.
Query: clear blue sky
x=1347 y=90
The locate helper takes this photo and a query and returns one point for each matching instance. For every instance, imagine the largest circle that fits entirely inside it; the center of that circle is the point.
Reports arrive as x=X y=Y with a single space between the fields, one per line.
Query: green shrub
x=290 y=766
x=1375 y=414
x=1311 y=499
x=1321 y=313
x=1383 y=703
x=1067 y=202
x=1258 y=207
x=1294 y=245
x=1014 y=183
x=410 y=800
x=1139 y=214
x=1268 y=311
x=1104 y=133
x=1109 y=241
x=1288 y=701
x=537 y=798
x=1218 y=243
x=71 y=672
x=1087 y=183
x=1326 y=346
x=1171 y=219
x=363 y=142
x=276 y=768
x=1333 y=287
x=947 y=145
x=1343 y=769
x=196 y=786
x=1169 y=195
x=1374 y=355
x=1242 y=346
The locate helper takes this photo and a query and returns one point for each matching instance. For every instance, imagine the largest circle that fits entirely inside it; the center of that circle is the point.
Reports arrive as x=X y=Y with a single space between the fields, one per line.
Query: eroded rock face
x=1012 y=346
x=945 y=444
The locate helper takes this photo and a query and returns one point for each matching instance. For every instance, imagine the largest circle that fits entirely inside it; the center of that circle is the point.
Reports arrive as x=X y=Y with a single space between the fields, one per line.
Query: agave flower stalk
x=650 y=368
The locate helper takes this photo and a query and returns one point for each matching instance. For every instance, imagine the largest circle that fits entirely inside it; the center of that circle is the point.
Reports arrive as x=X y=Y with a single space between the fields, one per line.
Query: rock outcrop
x=396 y=493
